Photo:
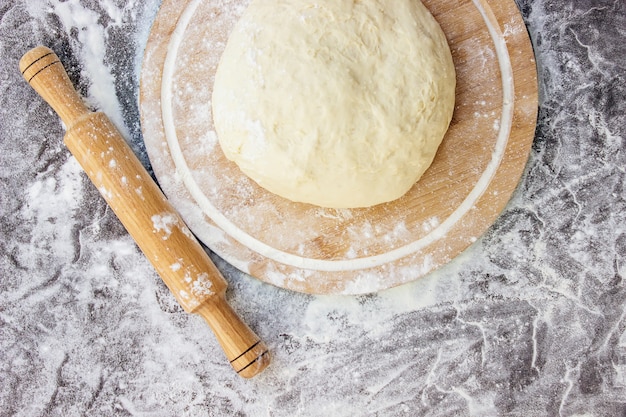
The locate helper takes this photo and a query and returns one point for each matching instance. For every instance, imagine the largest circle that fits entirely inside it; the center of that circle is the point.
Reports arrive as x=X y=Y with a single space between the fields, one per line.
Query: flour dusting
x=163 y=223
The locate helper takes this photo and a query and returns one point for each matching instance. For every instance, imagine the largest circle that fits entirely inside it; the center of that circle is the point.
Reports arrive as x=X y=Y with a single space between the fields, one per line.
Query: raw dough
x=338 y=103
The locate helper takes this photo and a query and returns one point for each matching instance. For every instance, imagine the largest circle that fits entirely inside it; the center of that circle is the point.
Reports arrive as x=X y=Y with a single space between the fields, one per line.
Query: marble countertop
x=529 y=321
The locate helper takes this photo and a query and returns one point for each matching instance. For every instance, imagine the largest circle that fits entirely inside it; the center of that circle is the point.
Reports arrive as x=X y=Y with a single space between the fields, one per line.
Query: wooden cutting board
x=351 y=251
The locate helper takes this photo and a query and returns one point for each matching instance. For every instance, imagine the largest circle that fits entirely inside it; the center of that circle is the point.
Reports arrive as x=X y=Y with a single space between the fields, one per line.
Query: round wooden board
x=316 y=250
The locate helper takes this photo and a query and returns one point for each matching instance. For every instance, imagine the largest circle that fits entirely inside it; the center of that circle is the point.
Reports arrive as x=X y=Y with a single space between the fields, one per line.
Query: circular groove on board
x=321 y=264
x=308 y=266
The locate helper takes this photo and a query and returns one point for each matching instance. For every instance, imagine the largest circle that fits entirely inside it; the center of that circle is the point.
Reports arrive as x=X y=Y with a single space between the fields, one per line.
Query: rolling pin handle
x=43 y=70
x=247 y=354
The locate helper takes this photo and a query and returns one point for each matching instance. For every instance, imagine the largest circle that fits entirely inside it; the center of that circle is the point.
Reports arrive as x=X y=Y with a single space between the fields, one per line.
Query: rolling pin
x=142 y=208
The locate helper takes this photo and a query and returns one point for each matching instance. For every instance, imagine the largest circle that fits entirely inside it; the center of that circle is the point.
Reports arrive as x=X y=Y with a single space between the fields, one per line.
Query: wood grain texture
x=316 y=250
x=144 y=211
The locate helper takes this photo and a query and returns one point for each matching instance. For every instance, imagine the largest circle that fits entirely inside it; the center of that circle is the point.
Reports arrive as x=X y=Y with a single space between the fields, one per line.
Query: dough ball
x=338 y=103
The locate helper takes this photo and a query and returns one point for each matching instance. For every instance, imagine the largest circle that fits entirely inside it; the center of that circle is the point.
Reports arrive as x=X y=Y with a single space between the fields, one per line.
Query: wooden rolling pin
x=145 y=212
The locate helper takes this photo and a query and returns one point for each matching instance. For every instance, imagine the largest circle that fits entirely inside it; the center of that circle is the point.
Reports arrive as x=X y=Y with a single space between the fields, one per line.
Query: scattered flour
x=163 y=223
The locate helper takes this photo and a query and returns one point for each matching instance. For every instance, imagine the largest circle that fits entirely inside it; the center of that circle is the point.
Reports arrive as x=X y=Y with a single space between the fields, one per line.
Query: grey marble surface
x=530 y=321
